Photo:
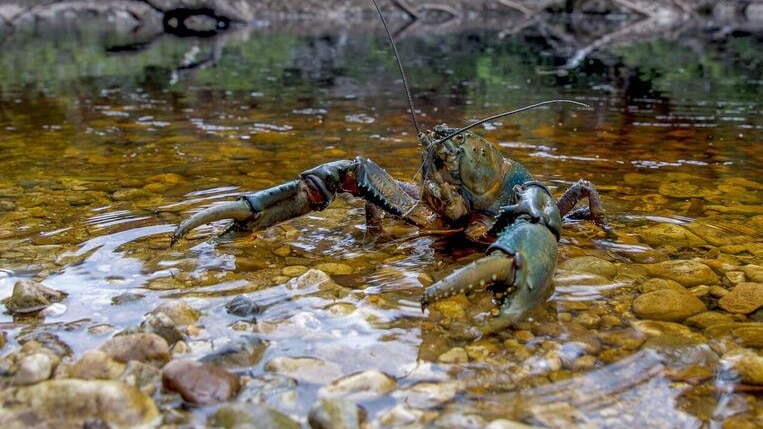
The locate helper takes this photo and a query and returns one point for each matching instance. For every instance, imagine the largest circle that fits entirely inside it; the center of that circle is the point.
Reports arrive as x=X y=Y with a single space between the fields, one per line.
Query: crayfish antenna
x=508 y=113
x=400 y=66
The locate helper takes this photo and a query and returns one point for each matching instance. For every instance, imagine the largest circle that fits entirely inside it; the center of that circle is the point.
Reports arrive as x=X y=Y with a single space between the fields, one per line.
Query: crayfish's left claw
x=521 y=262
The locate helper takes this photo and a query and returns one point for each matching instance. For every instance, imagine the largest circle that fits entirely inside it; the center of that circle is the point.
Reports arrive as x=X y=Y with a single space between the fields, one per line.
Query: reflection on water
x=103 y=154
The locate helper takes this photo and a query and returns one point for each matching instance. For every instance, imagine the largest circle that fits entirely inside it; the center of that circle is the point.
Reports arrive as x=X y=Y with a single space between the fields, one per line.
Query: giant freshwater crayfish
x=466 y=185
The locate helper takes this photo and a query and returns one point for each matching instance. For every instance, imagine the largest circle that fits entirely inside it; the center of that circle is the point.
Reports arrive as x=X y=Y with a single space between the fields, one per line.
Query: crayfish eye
x=459 y=138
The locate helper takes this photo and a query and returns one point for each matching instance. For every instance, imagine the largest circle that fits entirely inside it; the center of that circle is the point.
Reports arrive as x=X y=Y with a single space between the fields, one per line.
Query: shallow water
x=103 y=154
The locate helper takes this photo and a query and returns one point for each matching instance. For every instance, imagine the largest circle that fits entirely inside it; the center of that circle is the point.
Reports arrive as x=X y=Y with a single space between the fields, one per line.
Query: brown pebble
x=200 y=383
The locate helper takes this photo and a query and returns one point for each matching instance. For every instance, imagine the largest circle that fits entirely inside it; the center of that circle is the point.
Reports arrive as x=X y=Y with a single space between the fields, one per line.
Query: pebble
x=242 y=306
x=94 y=365
x=754 y=273
x=145 y=377
x=250 y=415
x=745 y=298
x=507 y=424
x=243 y=352
x=335 y=413
x=200 y=383
x=74 y=403
x=688 y=273
x=663 y=234
x=708 y=318
x=294 y=270
x=29 y=296
x=454 y=355
x=161 y=325
x=34 y=368
x=590 y=264
x=747 y=364
x=360 y=386
x=305 y=369
x=334 y=268
x=178 y=311
x=143 y=347
x=426 y=395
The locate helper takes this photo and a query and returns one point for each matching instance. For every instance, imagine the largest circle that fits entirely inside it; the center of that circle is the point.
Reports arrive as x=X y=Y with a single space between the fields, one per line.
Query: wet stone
x=454 y=355
x=663 y=234
x=242 y=306
x=294 y=270
x=334 y=268
x=688 y=273
x=754 y=273
x=708 y=318
x=359 y=386
x=668 y=305
x=34 y=368
x=304 y=369
x=425 y=395
x=658 y=283
x=251 y=415
x=126 y=298
x=245 y=351
x=147 y=378
x=94 y=365
x=199 y=382
x=161 y=325
x=178 y=311
x=747 y=364
x=335 y=413
x=590 y=264
x=143 y=347
x=30 y=296
x=72 y=402
x=745 y=298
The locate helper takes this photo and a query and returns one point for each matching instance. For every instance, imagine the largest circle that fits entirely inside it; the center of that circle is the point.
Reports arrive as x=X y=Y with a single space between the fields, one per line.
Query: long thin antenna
x=501 y=115
x=400 y=66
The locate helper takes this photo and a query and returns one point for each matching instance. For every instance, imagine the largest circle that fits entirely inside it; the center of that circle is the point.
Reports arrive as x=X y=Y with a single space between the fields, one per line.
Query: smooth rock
x=29 y=296
x=334 y=268
x=688 y=273
x=179 y=311
x=508 y=424
x=668 y=305
x=305 y=369
x=242 y=306
x=658 y=283
x=669 y=234
x=590 y=264
x=34 y=368
x=425 y=395
x=335 y=413
x=73 y=403
x=454 y=355
x=94 y=365
x=708 y=318
x=145 y=377
x=161 y=325
x=143 y=347
x=200 y=383
x=250 y=416
x=244 y=352
x=754 y=273
x=743 y=299
x=360 y=386
x=746 y=363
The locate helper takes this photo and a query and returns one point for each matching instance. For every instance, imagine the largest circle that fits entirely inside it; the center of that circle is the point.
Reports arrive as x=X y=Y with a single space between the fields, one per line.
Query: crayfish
x=466 y=185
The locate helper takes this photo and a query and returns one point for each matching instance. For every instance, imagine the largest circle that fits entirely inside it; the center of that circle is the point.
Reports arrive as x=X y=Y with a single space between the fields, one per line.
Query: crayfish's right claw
x=238 y=211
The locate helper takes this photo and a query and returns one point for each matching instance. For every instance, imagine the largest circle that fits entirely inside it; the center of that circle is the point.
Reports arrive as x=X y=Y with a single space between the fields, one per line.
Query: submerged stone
x=743 y=299
x=360 y=386
x=304 y=369
x=251 y=415
x=688 y=273
x=143 y=347
x=200 y=383
x=590 y=264
x=335 y=413
x=29 y=296
x=178 y=311
x=77 y=403
x=668 y=305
